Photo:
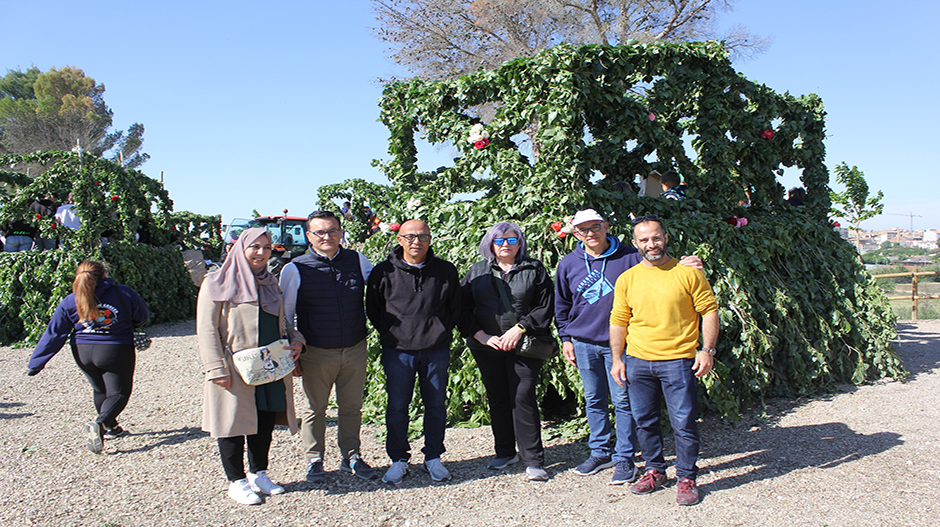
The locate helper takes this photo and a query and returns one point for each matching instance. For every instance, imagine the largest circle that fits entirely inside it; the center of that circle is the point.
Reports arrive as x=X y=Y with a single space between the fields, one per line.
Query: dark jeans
x=109 y=369
x=232 y=449
x=649 y=382
x=401 y=368
x=510 y=382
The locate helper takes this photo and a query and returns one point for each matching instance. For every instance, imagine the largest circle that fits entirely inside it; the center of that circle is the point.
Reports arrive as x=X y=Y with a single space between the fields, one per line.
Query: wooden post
x=914 y=296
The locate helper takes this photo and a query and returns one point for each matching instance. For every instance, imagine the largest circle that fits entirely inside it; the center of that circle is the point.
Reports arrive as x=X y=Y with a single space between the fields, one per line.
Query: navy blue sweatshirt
x=584 y=291
x=113 y=325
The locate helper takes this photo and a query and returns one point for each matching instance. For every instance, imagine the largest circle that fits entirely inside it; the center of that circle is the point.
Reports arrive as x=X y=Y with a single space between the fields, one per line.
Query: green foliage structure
x=572 y=128
x=114 y=202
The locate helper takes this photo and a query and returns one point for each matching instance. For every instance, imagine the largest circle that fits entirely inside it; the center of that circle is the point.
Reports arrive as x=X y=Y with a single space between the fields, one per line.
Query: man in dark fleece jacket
x=413 y=301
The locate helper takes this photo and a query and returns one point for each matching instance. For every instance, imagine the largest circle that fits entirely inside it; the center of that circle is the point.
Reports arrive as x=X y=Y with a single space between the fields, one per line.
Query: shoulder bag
x=265 y=364
x=541 y=347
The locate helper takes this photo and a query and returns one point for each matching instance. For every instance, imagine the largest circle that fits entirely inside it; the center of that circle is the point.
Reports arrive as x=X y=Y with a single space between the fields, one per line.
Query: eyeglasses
x=596 y=228
x=501 y=241
x=641 y=219
x=423 y=238
x=324 y=234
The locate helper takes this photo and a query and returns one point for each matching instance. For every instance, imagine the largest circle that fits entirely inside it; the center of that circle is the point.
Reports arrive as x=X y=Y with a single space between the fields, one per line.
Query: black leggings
x=109 y=369
x=232 y=449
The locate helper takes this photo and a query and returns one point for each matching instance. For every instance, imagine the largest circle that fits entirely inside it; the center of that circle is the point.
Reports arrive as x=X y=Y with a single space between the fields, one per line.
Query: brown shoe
x=650 y=481
x=688 y=492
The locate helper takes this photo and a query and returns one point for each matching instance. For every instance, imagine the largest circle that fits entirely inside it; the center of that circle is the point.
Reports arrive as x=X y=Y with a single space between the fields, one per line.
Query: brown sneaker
x=650 y=481
x=688 y=492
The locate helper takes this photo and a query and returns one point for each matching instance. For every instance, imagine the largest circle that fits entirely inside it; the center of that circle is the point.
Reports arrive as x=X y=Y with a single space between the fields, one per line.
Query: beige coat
x=220 y=328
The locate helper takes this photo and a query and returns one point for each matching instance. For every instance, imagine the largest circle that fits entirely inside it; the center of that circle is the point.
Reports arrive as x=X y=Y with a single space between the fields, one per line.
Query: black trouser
x=510 y=382
x=232 y=449
x=109 y=369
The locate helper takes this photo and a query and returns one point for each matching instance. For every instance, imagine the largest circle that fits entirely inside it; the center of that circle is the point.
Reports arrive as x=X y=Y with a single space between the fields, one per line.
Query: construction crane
x=911 y=215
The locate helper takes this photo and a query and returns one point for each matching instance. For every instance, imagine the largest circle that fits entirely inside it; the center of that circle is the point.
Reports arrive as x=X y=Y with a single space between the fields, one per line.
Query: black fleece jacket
x=414 y=308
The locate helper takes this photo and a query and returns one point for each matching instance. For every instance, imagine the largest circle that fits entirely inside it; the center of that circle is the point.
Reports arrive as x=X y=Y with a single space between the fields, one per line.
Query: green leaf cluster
x=798 y=310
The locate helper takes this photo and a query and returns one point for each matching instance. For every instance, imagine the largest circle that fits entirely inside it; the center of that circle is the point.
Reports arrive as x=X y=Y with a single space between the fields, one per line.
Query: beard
x=657 y=254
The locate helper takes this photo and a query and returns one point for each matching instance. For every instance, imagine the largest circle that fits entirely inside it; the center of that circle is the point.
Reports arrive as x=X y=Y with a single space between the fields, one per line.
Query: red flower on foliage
x=556 y=226
x=39 y=216
x=482 y=143
x=394 y=227
x=835 y=224
x=562 y=235
x=52 y=226
x=652 y=117
x=736 y=221
x=767 y=134
x=115 y=198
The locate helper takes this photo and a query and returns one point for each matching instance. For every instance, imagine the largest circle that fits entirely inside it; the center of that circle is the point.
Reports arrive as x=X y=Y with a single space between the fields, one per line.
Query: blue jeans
x=401 y=368
x=600 y=389
x=17 y=243
x=649 y=382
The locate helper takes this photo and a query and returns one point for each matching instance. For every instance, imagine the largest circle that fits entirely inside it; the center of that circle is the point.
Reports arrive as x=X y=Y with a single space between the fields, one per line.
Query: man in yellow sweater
x=656 y=318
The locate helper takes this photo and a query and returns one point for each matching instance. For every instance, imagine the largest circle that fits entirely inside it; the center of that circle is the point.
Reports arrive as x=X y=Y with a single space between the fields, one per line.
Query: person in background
x=672 y=185
x=239 y=308
x=492 y=336
x=66 y=214
x=19 y=236
x=46 y=208
x=413 y=301
x=796 y=196
x=98 y=320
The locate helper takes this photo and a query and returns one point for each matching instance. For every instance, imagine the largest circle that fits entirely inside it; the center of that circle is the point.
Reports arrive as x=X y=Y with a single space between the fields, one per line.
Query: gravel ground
x=864 y=456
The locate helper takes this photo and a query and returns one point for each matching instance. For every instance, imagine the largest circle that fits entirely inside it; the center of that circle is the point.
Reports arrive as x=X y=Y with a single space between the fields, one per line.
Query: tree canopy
x=854 y=203
x=441 y=39
x=62 y=109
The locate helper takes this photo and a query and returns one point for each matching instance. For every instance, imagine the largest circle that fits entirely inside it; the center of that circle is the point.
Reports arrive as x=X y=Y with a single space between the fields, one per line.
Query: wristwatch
x=710 y=351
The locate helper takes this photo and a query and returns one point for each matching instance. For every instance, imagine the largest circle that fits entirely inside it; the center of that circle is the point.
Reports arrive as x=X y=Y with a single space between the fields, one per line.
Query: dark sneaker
x=593 y=465
x=315 y=472
x=114 y=433
x=650 y=481
x=94 y=434
x=688 y=492
x=358 y=467
x=624 y=472
x=499 y=463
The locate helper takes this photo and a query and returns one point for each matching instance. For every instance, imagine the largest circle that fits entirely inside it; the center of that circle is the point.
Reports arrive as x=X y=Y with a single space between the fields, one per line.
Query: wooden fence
x=913 y=297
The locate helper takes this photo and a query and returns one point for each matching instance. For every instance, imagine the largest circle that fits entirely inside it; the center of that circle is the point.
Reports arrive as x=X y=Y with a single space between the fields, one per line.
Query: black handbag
x=541 y=347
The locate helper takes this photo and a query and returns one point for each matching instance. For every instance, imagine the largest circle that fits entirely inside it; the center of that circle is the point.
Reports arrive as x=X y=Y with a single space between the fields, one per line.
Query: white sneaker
x=396 y=472
x=240 y=491
x=260 y=482
x=436 y=469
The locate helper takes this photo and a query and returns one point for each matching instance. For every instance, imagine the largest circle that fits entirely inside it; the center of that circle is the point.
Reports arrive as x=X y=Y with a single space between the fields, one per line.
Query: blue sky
x=254 y=105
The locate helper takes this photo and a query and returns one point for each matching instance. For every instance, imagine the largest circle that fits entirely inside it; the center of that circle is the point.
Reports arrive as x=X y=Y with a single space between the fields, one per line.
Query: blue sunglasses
x=510 y=241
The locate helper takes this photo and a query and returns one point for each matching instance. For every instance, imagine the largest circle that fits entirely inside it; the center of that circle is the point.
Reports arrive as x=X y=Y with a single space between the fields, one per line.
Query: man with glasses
x=413 y=301
x=655 y=317
x=584 y=287
x=325 y=288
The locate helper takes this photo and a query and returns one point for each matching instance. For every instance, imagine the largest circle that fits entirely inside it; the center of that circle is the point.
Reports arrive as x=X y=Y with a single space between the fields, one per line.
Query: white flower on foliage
x=413 y=203
x=478 y=132
x=567 y=227
x=385 y=227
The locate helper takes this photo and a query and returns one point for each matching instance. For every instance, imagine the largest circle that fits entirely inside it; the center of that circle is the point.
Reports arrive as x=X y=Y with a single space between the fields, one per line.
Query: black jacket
x=414 y=308
x=530 y=292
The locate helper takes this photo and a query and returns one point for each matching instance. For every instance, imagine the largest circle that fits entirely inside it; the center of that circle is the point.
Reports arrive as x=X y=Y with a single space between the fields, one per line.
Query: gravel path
x=865 y=456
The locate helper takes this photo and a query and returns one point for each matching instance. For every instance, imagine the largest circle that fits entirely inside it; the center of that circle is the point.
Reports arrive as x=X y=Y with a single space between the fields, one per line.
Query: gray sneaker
x=536 y=474
x=499 y=463
x=358 y=467
x=624 y=472
x=396 y=472
x=94 y=434
x=315 y=473
x=436 y=469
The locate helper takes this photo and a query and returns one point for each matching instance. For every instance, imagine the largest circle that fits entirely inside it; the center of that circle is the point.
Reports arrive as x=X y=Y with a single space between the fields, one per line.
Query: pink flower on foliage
x=767 y=134
x=736 y=221
x=652 y=116
x=394 y=227
x=481 y=144
x=556 y=226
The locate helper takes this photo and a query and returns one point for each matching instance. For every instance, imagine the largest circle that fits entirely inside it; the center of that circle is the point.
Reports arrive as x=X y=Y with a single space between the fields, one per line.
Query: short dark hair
x=323 y=215
x=647 y=219
x=670 y=178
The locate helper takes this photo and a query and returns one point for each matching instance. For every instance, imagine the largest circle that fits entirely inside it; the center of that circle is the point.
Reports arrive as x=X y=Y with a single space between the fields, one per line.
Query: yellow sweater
x=660 y=307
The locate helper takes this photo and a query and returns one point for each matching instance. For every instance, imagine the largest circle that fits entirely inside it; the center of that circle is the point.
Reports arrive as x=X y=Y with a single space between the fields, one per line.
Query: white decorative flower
x=478 y=132
x=385 y=227
x=413 y=203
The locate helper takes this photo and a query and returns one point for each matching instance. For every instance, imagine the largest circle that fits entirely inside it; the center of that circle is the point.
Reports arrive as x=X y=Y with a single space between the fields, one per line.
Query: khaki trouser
x=322 y=369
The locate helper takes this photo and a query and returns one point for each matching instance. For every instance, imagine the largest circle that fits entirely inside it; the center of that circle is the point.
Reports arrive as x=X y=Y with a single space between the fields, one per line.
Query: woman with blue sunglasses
x=494 y=333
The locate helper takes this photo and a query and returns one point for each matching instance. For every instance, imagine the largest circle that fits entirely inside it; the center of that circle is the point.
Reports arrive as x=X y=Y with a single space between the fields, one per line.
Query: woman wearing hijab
x=98 y=319
x=240 y=308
